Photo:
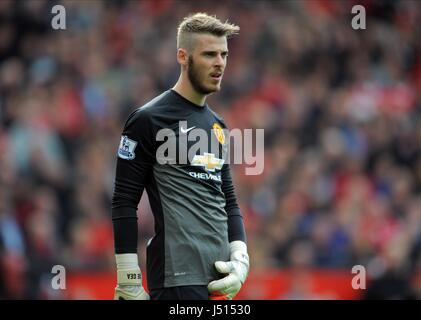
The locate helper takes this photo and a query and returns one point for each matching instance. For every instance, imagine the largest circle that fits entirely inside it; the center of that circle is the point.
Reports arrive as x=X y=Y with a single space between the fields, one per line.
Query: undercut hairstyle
x=202 y=23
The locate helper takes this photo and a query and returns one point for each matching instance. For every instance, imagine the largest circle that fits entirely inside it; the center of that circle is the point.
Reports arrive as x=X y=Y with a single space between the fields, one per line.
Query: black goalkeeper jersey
x=190 y=190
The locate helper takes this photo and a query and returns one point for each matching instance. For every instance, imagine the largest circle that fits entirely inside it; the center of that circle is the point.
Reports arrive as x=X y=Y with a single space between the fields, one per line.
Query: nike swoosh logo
x=186 y=130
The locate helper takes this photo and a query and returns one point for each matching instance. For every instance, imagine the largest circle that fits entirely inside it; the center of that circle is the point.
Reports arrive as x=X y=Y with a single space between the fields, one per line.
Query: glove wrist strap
x=130 y=277
x=128 y=271
x=238 y=251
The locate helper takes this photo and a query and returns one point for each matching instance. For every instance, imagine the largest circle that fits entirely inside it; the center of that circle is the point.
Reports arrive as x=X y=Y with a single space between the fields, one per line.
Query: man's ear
x=182 y=57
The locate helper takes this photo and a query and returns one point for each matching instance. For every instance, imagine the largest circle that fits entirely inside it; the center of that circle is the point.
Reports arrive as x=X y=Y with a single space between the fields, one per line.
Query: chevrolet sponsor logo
x=208 y=161
x=205 y=176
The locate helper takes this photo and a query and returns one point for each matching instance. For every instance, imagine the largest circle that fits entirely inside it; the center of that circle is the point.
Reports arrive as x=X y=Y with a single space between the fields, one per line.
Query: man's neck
x=185 y=89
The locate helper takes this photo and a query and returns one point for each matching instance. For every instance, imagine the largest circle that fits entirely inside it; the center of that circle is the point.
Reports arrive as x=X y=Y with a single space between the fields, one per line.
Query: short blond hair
x=200 y=23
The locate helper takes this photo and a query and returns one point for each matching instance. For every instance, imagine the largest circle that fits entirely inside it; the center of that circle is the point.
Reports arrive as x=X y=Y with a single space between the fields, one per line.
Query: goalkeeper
x=199 y=248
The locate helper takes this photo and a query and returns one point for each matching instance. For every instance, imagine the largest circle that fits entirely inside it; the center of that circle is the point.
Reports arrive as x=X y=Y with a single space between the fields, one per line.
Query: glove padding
x=130 y=293
x=236 y=269
x=129 y=279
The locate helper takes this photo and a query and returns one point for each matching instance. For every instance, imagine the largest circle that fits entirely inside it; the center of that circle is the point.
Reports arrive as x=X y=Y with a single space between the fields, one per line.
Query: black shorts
x=180 y=293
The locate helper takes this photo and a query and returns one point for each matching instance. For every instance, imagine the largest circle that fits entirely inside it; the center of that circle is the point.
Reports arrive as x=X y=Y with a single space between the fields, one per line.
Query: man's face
x=206 y=64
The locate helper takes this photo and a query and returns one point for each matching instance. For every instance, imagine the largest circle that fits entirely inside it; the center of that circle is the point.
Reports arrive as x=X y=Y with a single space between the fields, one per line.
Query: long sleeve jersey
x=190 y=190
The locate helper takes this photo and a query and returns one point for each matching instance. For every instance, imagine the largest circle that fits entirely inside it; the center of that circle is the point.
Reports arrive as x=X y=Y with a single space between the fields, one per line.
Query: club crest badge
x=219 y=133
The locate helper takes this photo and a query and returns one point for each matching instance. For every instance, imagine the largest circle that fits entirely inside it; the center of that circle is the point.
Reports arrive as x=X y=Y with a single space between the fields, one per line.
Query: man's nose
x=219 y=61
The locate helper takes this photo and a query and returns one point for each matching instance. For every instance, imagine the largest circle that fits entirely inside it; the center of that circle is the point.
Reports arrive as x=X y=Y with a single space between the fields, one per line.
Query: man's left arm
x=236 y=231
x=237 y=268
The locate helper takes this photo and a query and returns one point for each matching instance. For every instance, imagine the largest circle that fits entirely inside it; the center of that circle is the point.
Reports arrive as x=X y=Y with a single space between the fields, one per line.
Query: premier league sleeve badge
x=126 y=148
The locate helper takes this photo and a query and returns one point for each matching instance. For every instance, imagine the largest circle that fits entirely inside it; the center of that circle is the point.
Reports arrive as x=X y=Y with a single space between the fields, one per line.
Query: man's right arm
x=135 y=159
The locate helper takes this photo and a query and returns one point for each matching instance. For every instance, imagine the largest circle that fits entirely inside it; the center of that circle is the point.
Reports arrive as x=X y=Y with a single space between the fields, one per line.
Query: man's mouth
x=216 y=75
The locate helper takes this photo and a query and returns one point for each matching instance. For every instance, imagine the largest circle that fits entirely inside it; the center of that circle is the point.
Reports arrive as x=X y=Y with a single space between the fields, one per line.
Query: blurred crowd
x=341 y=110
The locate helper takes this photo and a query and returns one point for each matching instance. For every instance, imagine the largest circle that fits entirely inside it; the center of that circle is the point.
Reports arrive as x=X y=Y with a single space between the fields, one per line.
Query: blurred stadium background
x=340 y=108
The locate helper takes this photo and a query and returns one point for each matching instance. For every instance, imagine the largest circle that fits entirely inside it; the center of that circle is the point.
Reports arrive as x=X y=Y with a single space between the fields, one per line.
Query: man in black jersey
x=199 y=248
